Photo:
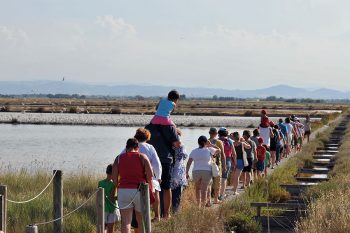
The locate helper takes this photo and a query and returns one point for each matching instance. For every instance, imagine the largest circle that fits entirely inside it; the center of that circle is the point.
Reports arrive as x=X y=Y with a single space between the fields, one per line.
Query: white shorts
x=129 y=198
x=112 y=217
x=156 y=185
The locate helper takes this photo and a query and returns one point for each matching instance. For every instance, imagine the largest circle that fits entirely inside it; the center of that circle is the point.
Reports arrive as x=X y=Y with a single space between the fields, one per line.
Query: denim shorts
x=260 y=166
x=228 y=167
x=240 y=164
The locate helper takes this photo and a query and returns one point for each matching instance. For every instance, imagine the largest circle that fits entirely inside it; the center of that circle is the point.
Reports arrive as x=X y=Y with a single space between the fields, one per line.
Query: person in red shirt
x=130 y=169
x=260 y=151
x=264 y=119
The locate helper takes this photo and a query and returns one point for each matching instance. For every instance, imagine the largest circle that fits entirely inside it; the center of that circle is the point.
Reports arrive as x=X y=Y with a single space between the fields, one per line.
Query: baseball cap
x=222 y=129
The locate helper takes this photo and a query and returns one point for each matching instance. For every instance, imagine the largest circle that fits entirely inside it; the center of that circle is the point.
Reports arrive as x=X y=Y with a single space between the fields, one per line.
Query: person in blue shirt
x=164 y=108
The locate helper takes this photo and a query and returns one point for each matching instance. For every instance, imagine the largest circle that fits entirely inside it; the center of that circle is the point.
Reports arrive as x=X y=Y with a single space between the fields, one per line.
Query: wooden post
x=3 y=218
x=57 y=201
x=145 y=208
x=32 y=229
x=100 y=209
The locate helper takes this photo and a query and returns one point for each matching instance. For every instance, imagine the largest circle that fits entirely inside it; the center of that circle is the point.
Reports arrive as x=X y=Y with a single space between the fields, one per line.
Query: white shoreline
x=126 y=120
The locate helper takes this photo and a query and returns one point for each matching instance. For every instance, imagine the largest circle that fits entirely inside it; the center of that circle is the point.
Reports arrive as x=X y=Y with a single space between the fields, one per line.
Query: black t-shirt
x=162 y=138
x=239 y=151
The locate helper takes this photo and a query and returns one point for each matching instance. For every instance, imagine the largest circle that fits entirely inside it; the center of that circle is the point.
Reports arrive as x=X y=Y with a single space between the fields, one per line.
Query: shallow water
x=70 y=148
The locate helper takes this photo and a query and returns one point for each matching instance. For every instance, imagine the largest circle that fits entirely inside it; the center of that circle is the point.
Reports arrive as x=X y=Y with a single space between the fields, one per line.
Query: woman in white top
x=201 y=172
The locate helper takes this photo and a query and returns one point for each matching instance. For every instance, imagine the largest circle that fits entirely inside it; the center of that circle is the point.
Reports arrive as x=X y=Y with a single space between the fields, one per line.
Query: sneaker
x=236 y=193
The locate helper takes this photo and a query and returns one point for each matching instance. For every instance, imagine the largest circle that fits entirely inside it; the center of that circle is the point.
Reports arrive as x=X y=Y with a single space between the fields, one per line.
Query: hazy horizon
x=220 y=44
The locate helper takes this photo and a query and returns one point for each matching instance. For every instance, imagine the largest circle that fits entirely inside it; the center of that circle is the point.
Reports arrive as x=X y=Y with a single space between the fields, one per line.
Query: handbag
x=245 y=160
x=214 y=169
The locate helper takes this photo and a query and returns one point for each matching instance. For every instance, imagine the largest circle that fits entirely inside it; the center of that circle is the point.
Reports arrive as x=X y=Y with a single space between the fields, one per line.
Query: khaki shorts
x=112 y=217
x=216 y=183
x=202 y=175
x=127 y=196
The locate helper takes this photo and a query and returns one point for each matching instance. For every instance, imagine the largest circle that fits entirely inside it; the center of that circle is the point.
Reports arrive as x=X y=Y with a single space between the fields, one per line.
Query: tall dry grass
x=23 y=185
x=329 y=201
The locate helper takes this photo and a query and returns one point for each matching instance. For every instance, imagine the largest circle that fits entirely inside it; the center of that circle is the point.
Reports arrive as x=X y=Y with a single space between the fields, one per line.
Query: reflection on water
x=70 y=148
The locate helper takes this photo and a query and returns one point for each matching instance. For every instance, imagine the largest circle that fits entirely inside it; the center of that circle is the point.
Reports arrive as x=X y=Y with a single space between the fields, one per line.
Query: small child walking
x=112 y=214
x=164 y=108
x=267 y=159
x=261 y=153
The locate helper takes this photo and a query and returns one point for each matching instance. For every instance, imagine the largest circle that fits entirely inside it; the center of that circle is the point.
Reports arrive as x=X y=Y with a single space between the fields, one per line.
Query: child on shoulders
x=264 y=120
x=164 y=108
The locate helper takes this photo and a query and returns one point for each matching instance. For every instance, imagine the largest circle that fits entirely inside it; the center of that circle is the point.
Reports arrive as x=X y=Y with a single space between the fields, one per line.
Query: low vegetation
x=325 y=215
x=23 y=186
x=211 y=107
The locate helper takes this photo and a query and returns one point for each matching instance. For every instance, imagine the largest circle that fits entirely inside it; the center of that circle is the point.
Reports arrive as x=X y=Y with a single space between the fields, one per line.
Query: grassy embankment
x=192 y=107
x=23 y=186
x=329 y=202
x=77 y=188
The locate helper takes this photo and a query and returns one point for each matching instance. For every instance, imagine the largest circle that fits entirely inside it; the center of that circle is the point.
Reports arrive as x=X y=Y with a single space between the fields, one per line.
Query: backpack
x=228 y=147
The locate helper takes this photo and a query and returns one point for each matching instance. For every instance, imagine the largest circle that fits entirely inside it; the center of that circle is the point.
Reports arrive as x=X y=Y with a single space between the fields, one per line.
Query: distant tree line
x=182 y=97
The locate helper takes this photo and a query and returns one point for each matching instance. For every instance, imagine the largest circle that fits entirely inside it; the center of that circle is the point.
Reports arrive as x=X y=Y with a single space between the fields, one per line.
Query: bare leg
x=110 y=228
x=167 y=202
x=126 y=220
x=247 y=178
x=139 y=221
x=198 y=192
x=156 y=206
x=203 y=192
x=223 y=186
x=273 y=156
x=235 y=179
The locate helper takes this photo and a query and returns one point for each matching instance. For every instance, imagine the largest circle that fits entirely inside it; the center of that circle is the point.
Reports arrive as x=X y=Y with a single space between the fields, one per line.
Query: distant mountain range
x=64 y=87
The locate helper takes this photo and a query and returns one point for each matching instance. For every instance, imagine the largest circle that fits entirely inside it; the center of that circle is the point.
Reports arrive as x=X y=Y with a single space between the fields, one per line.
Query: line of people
x=157 y=156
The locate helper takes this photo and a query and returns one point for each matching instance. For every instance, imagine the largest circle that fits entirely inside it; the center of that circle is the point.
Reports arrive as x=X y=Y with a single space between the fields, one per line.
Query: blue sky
x=230 y=44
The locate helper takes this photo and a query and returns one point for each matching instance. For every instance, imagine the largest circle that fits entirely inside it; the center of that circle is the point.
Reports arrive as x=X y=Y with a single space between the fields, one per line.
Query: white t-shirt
x=202 y=158
x=289 y=129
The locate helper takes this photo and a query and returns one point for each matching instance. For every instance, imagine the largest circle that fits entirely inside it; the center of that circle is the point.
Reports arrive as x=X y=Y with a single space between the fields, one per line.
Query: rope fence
x=72 y=212
x=32 y=199
x=58 y=215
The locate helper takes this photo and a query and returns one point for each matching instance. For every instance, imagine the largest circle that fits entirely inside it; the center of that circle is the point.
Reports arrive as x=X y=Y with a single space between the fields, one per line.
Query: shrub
x=73 y=110
x=40 y=110
x=248 y=113
x=4 y=109
x=14 y=121
x=241 y=223
x=116 y=110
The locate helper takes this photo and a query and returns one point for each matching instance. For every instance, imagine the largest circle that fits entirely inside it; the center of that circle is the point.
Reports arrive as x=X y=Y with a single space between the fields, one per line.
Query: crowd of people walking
x=156 y=155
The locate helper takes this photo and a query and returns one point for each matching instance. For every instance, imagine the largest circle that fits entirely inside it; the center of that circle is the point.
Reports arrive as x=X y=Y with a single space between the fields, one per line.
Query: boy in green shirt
x=267 y=159
x=111 y=212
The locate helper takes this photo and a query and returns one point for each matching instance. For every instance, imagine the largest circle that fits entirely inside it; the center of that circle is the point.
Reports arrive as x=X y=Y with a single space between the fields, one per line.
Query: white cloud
x=13 y=36
x=116 y=25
